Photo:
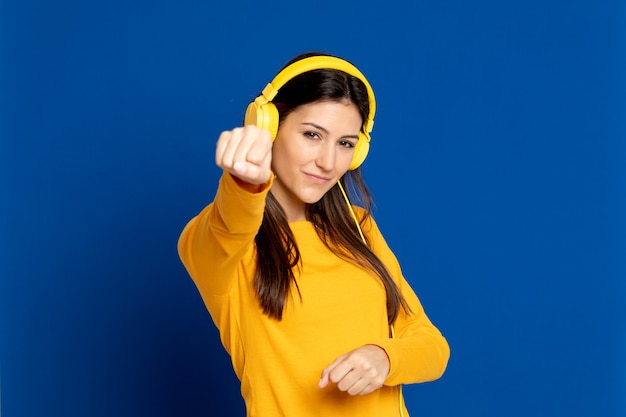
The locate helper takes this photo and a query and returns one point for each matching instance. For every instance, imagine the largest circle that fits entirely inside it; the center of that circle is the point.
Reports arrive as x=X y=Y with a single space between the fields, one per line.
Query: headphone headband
x=315 y=63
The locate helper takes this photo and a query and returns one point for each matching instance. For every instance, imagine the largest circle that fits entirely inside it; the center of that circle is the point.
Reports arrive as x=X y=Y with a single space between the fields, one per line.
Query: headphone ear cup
x=263 y=116
x=360 y=151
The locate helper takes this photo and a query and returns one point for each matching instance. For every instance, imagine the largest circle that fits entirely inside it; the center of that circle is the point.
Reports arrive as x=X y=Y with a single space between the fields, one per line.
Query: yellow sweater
x=342 y=307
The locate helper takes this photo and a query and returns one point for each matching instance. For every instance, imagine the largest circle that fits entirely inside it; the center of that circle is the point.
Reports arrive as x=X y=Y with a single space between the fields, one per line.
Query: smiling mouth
x=317 y=179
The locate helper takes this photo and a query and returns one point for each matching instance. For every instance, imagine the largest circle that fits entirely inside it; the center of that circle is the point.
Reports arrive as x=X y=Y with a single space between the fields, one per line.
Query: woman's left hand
x=358 y=372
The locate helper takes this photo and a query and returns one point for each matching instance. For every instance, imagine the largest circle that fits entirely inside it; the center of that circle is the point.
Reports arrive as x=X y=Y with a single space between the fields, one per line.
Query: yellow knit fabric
x=341 y=308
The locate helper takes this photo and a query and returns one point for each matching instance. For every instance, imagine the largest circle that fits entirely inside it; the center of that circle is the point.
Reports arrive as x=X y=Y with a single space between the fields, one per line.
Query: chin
x=310 y=195
x=311 y=199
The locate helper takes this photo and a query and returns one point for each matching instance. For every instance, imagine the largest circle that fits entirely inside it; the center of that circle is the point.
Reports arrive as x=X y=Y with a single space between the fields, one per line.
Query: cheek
x=283 y=157
x=344 y=159
x=290 y=154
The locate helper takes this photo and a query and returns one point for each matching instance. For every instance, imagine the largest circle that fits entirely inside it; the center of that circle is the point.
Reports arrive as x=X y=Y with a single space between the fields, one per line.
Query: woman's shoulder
x=367 y=223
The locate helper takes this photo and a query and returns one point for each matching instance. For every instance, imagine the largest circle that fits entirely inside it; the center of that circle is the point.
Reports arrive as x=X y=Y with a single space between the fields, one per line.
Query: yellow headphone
x=263 y=113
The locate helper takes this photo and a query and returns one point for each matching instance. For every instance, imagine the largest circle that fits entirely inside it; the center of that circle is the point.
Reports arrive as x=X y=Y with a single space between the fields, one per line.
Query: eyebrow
x=323 y=129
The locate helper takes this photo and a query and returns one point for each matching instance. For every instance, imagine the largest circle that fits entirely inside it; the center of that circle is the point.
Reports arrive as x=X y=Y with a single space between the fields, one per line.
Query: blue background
x=497 y=164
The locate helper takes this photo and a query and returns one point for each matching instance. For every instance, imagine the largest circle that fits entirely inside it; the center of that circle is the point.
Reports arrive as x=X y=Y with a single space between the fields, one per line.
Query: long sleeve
x=418 y=352
x=214 y=242
x=338 y=306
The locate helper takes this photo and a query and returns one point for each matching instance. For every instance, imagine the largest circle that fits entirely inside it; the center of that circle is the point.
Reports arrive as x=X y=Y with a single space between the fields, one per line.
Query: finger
x=220 y=147
x=258 y=151
x=246 y=153
x=249 y=138
x=351 y=381
x=359 y=387
x=251 y=173
x=325 y=379
x=360 y=383
x=361 y=371
x=368 y=382
x=341 y=369
x=231 y=148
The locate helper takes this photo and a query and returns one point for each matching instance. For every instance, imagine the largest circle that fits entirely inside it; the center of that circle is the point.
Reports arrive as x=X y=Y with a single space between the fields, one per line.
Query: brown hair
x=277 y=251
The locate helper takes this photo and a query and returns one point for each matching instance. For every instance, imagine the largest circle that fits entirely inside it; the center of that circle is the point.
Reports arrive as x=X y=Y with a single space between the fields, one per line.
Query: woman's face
x=312 y=151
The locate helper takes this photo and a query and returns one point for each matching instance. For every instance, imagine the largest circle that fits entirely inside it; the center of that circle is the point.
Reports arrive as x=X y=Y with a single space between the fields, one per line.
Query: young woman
x=309 y=300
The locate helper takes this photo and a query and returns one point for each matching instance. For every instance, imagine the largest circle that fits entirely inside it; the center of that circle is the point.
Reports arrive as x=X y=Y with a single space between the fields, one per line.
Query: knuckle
x=223 y=137
x=357 y=357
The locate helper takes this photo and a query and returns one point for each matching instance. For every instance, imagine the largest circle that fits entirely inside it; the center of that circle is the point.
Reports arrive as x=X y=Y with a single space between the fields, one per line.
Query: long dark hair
x=276 y=249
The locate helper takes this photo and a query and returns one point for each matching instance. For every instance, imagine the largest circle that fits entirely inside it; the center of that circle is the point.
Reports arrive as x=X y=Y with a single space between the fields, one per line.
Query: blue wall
x=497 y=162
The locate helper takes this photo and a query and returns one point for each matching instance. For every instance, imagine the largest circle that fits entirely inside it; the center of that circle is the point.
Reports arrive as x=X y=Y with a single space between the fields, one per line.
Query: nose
x=326 y=156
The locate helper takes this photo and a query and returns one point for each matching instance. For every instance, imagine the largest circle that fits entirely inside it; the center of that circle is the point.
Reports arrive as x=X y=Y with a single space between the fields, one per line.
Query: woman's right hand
x=245 y=152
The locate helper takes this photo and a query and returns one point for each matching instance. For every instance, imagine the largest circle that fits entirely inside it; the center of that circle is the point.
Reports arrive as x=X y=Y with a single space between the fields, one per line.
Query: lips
x=316 y=178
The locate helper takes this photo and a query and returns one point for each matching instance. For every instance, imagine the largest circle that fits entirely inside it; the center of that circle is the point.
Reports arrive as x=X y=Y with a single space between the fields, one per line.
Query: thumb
x=240 y=168
x=324 y=379
x=251 y=173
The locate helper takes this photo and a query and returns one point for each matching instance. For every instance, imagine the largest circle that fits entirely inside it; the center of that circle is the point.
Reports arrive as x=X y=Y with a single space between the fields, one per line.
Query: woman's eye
x=346 y=144
x=311 y=135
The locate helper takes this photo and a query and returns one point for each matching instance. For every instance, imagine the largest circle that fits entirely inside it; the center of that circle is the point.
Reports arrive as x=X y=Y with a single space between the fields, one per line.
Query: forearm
x=212 y=243
x=421 y=357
